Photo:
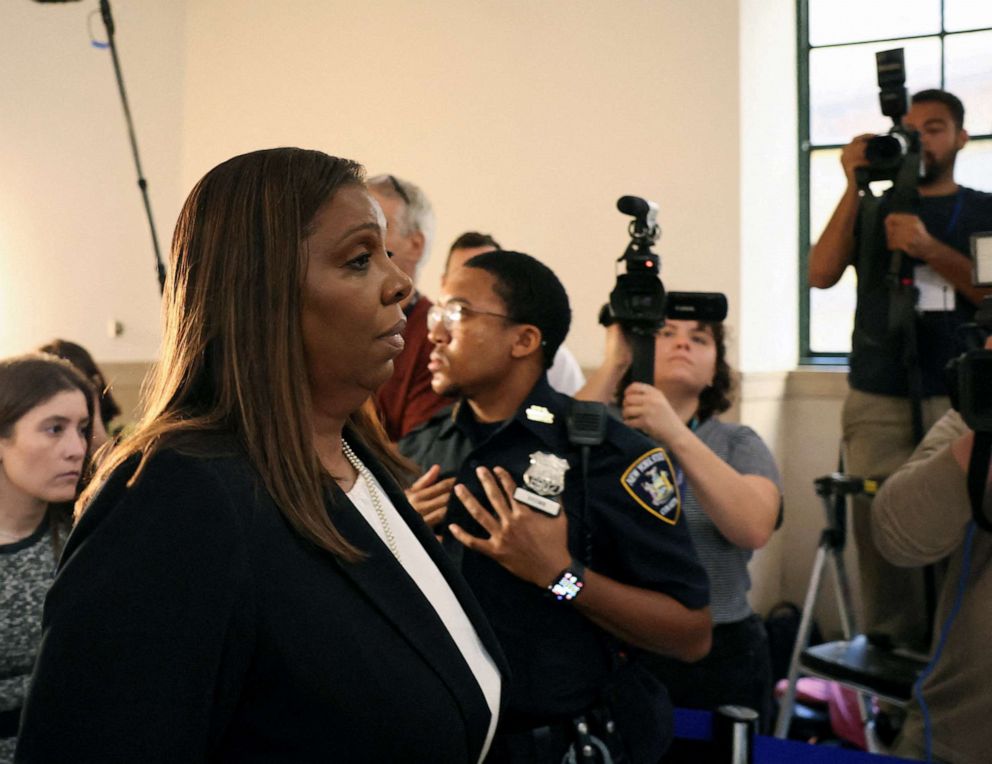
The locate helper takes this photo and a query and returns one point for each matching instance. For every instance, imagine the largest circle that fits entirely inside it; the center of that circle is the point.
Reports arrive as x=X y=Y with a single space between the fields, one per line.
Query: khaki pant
x=878 y=439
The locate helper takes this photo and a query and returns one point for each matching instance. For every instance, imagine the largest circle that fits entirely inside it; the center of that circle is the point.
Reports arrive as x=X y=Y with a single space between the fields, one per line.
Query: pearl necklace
x=365 y=475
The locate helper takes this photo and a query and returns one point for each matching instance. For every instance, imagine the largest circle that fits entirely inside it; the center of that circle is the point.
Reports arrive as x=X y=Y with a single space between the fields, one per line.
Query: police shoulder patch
x=650 y=480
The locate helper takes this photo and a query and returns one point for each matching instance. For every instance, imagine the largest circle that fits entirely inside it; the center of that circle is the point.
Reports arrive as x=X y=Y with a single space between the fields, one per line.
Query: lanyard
x=955 y=214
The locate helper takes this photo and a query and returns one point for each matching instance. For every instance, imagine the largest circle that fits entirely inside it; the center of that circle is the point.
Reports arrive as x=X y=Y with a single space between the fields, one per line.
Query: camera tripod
x=870 y=670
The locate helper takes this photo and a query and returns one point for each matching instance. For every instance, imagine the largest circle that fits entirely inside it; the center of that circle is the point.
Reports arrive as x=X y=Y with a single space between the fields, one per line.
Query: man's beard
x=934 y=170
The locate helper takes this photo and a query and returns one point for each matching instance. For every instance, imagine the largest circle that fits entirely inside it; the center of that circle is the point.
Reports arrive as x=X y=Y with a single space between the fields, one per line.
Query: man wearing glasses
x=578 y=554
x=407 y=399
x=565 y=374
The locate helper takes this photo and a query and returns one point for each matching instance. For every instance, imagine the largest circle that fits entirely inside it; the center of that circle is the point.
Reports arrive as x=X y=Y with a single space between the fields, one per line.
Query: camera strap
x=903 y=295
x=978 y=473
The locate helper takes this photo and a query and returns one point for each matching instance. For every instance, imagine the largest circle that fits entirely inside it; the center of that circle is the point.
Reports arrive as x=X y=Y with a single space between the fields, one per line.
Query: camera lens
x=884 y=148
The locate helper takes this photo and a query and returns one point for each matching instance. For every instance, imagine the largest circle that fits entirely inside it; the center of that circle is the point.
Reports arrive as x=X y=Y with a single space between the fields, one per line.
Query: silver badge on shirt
x=546 y=474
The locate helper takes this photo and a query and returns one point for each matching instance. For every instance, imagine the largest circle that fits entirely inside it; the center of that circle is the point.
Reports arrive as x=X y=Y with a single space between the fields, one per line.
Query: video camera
x=887 y=154
x=638 y=300
x=969 y=379
x=969 y=376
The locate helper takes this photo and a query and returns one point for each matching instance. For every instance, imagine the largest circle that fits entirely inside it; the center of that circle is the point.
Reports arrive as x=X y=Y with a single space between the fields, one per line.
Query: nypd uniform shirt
x=624 y=521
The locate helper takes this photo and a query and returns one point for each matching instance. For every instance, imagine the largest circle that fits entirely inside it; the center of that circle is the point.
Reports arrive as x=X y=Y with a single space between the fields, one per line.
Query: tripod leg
x=845 y=604
x=802 y=640
x=845 y=600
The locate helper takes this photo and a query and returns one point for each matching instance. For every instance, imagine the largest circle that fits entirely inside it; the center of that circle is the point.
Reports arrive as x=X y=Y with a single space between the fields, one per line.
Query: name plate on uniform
x=540 y=503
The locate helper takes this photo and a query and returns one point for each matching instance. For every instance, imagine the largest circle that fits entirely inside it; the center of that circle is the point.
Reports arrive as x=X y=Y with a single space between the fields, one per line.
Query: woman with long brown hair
x=45 y=421
x=246 y=580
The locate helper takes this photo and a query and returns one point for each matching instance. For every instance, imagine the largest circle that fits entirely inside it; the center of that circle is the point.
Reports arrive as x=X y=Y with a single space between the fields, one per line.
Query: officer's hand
x=852 y=156
x=429 y=496
x=647 y=409
x=906 y=233
x=529 y=544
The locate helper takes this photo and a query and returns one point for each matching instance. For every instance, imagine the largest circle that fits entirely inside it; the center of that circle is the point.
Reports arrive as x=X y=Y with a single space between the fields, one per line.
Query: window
x=947 y=44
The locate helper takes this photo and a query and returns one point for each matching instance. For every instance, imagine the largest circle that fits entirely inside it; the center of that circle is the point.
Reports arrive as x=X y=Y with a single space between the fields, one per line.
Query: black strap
x=978 y=473
x=905 y=198
x=9 y=722
x=903 y=294
x=586 y=424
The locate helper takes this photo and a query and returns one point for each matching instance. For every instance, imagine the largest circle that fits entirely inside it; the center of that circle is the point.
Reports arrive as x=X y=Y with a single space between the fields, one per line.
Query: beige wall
x=75 y=248
x=526 y=119
x=798 y=414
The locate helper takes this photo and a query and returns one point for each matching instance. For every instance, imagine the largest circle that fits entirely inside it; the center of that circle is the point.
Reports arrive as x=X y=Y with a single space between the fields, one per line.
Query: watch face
x=567 y=587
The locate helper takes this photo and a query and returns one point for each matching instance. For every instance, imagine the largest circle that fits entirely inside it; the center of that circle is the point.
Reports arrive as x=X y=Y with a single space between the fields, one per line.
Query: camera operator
x=921 y=516
x=878 y=412
x=731 y=492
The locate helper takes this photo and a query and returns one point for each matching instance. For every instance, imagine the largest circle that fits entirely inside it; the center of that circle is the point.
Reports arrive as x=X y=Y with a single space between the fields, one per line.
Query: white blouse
x=426 y=575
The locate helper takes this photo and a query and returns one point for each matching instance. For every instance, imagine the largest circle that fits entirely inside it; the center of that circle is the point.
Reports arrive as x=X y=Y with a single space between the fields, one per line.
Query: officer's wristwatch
x=567 y=586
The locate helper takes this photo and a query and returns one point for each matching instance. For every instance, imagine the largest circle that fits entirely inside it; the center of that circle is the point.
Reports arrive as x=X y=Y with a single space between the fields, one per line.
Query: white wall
x=769 y=186
x=524 y=119
x=75 y=248
x=767 y=333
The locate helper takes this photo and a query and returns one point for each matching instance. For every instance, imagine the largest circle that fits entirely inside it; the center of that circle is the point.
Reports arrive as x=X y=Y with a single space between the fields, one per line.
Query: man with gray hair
x=407 y=399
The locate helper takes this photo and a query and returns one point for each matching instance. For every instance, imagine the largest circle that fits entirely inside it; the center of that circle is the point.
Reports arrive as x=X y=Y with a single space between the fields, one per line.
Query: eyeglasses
x=399 y=190
x=451 y=314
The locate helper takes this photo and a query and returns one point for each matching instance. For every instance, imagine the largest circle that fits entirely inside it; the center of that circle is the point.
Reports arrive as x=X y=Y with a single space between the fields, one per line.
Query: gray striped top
x=726 y=563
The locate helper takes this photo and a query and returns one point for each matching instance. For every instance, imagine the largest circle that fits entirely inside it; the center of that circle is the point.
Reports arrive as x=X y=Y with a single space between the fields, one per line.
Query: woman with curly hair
x=730 y=491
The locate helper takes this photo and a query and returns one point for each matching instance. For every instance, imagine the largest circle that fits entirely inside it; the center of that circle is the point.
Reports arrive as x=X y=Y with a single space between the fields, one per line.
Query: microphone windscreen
x=632 y=205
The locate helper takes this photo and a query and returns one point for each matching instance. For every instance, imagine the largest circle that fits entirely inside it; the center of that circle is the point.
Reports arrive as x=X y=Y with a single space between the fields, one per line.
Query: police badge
x=546 y=474
x=546 y=478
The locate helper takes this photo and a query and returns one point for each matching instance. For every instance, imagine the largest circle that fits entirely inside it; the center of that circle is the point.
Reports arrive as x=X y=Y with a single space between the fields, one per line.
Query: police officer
x=579 y=555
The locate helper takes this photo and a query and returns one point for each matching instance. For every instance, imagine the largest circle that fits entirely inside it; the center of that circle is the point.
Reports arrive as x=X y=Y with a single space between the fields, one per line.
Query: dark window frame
x=808 y=357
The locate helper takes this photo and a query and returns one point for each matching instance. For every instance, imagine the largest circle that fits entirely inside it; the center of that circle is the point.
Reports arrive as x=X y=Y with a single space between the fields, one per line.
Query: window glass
x=974 y=165
x=831 y=315
x=826 y=184
x=831 y=311
x=843 y=87
x=967 y=14
x=969 y=76
x=834 y=21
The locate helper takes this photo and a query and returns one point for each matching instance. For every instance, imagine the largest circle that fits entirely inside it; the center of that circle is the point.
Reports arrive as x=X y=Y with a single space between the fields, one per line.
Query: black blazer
x=189 y=622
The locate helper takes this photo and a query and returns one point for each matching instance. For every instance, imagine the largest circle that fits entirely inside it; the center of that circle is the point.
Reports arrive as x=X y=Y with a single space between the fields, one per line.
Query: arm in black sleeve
x=147 y=628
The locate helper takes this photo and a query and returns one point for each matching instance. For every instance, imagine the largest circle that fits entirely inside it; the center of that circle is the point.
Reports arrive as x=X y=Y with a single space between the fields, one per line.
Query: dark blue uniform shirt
x=559 y=660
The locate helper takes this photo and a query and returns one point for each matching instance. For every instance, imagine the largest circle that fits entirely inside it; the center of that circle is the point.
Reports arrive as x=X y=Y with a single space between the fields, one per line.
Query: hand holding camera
x=852 y=157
